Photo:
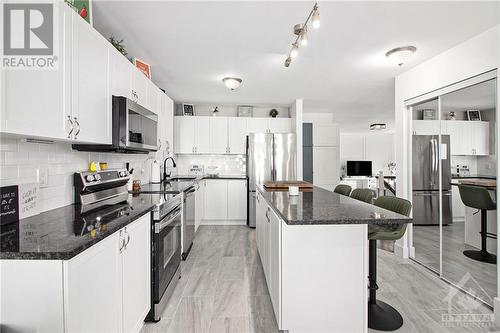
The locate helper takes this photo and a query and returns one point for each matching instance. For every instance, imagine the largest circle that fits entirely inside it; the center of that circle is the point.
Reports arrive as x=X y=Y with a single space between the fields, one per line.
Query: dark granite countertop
x=320 y=206
x=455 y=176
x=62 y=233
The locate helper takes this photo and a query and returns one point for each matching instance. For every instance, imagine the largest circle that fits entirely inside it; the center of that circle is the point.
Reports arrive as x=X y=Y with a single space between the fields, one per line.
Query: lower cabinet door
x=275 y=265
x=237 y=199
x=93 y=290
x=136 y=273
x=216 y=200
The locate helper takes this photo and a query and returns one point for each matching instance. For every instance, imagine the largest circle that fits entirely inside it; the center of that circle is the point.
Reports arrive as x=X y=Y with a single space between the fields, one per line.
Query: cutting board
x=488 y=183
x=283 y=185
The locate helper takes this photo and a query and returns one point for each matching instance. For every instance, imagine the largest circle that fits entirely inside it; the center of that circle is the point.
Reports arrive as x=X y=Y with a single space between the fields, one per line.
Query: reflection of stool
x=382 y=316
x=479 y=198
x=343 y=189
x=363 y=194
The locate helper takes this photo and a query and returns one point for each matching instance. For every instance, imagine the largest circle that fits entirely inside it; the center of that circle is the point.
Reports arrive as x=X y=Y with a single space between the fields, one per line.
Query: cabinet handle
x=72 y=127
x=159 y=144
x=77 y=124
x=128 y=239
x=267 y=215
x=122 y=241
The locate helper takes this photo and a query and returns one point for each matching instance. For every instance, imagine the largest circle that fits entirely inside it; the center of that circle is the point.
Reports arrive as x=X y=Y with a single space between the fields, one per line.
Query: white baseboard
x=401 y=251
x=223 y=222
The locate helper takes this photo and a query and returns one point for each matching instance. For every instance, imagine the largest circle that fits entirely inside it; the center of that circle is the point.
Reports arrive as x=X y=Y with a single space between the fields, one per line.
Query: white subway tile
x=8 y=144
x=15 y=158
x=8 y=172
x=38 y=157
x=28 y=147
x=48 y=148
x=28 y=171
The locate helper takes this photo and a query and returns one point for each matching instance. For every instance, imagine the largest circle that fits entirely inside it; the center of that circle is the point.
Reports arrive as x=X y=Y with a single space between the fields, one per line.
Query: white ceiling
x=343 y=70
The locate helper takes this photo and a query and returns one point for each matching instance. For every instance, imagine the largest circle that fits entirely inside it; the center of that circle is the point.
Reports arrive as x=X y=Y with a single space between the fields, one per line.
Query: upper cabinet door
x=35 y=103
x=91 y=97
x=279 y=125
x=481 y=137
x=202 y=135
x=237 y=135
x=169 y=123
x=326 y=135
x=140 y=85
x=257 y=125
x=153 y=97
x=218 y=135
x=185 y=135
x=325 y=165
x=120 y=74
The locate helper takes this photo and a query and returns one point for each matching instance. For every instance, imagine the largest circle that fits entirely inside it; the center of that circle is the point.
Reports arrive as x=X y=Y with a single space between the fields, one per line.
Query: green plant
x=118 y=44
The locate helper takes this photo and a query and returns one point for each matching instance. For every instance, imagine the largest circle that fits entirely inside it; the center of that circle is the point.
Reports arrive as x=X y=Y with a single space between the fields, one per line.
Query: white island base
x=316 y=274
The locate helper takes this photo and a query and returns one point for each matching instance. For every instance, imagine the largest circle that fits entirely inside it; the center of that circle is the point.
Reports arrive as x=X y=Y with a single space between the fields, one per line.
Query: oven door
x=167 y=254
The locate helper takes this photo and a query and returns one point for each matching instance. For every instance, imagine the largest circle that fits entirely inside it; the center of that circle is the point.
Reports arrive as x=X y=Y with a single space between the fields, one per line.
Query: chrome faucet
x=165 y=174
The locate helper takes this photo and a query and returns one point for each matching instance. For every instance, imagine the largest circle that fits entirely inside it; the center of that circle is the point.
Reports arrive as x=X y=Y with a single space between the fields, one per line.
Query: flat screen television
x=359 y=168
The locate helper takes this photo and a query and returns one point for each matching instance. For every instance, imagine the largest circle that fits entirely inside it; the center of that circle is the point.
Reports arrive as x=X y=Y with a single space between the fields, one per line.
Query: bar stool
x=382 y=316
x=479 y=198
x=363 y=194
x=343 y=189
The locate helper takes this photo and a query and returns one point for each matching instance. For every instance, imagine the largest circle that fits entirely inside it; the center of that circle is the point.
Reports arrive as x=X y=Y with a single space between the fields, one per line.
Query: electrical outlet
x=43 y=177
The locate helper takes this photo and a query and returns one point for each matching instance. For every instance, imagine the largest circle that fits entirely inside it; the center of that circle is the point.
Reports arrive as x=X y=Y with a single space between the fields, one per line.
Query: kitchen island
x=314 y=251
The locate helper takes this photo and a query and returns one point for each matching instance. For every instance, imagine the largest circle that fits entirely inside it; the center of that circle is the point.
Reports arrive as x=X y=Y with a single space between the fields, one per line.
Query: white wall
x=297 y=115
x=477 y=55
x=375 y=147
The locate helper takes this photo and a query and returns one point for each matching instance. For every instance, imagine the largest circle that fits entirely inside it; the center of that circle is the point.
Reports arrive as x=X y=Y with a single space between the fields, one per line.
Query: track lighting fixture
x=301 y=31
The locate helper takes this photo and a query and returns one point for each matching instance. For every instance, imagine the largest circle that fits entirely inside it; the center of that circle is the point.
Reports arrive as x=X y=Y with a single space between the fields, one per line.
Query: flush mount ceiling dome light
x=232 y=82
x=375 y=127
x=400 y=55
x=301 y=31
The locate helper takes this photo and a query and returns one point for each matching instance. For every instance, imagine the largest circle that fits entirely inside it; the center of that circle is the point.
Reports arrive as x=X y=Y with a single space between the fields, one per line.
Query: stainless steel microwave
x=135 y=129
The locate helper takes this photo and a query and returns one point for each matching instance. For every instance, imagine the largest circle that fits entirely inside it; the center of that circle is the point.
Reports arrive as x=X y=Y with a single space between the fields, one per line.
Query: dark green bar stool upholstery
x=382 y=316
x=343 y=189
x=479 y=198
x=363 y=194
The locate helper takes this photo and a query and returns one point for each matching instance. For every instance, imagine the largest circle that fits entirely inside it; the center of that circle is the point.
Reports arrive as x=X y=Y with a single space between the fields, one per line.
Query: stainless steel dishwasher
x=188 y=216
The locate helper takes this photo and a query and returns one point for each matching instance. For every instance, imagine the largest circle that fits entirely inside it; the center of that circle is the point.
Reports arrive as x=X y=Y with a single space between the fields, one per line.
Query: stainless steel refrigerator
x=269 y=157
x=426 y=155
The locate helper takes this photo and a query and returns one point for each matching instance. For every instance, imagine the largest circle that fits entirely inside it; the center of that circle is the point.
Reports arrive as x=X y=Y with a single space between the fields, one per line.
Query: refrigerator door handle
x=431 y=160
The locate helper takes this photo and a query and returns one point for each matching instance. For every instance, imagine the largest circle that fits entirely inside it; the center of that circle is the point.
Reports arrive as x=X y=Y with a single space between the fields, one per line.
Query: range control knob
x=123 y=173
x=97 y=176
x=89 y=178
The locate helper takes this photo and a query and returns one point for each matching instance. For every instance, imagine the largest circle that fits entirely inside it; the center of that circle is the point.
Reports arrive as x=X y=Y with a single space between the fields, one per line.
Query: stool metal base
x=482 y=256
x=383 y=317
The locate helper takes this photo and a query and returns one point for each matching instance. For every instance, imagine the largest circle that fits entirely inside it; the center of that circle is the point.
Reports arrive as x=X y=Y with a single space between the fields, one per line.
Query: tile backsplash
x=225 y=164
x=53 y=166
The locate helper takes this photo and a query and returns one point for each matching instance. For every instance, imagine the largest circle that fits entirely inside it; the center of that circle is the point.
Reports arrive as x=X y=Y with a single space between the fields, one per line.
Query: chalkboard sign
x=9 y=204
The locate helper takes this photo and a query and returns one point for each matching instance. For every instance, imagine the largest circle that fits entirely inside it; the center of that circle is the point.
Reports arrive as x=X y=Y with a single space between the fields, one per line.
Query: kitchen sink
x=181 y=179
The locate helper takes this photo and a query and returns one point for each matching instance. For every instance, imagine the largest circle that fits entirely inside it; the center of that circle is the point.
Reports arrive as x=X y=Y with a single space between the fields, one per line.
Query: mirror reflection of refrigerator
x=426 y=154
x=270 y=157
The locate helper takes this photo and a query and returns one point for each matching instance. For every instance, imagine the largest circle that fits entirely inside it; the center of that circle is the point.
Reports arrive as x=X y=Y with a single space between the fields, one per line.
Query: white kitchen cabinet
x=90 y=93
x=199 y=204
x=169 y=121
x=426 y=127
x=279 y=125
x=215 y=206
x=202 y=135
x=218 y=135
x=480 y=137
x=236 y=199
x=275 y=263
x=458 y=207
x=237 y=135
x=326 y=135
x=94 y=277
x=185 y=135
x=35 y=103
x=326 y=165
x=467 y=137
x=140 y=87
x=117 y=280
x=136 y=283
x=120 y=74
x=257 y=125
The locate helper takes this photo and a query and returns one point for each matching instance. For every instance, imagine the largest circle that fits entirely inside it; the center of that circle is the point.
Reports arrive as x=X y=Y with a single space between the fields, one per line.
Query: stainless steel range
x=165 y=251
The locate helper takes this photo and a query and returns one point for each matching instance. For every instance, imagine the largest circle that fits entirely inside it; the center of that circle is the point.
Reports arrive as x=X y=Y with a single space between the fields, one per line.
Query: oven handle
x=168 y=220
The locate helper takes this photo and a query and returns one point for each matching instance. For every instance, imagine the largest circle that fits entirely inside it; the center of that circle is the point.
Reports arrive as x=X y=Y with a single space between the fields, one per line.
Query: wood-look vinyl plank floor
x=223 y=290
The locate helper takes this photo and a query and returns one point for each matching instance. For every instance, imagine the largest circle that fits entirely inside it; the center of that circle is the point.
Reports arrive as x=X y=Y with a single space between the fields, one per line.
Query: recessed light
x=232 y=82
x=377 y=127
x=400 y=55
